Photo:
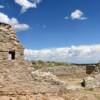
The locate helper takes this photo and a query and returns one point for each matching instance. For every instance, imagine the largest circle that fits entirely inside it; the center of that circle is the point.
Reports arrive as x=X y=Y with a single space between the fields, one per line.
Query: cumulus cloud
x=14 y=22
x=1 y=7
x=73 y=54
x=77 y=15
x=27 y=4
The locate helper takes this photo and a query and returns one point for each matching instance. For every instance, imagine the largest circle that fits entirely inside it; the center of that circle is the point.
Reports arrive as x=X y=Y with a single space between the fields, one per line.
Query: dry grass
x=41 y=64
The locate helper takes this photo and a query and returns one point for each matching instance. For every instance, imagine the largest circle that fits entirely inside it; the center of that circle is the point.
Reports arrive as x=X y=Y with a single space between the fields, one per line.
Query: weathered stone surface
x=93 y=69
x=69 y=96
x=46 y=77
x=92 y=81
x=55 y=98
x=16 y=75
x=70 y=71
x=9 y=42
x=80 y=96
x=19 y=81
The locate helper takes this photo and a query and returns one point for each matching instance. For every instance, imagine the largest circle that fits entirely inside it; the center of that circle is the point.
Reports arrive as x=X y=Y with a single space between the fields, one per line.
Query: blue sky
x=47 y=24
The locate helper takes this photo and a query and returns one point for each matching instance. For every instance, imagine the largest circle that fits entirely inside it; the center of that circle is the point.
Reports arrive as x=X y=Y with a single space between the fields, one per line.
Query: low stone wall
x=68 y=71
x=78 y=71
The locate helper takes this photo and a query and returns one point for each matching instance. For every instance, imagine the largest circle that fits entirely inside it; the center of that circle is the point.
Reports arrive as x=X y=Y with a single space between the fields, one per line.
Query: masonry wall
x=19 y=55
x=9 y=43
x=3 y=55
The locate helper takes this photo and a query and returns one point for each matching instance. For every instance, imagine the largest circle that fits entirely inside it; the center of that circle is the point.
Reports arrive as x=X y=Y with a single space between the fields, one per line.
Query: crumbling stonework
x=68 y=71
x=10 y=47
x=16 y=74
x=92 y=81
x=20 y=81
x=93 y=69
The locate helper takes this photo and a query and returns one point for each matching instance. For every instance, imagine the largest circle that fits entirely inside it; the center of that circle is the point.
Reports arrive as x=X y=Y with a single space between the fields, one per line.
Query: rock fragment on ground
x=92 y=81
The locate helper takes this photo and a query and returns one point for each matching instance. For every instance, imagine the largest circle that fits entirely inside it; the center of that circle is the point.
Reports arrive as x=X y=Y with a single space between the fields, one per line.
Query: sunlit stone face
x=9 y=43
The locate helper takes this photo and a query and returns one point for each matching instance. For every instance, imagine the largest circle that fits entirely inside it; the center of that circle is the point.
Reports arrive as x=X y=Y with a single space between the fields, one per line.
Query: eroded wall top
x=8 y=40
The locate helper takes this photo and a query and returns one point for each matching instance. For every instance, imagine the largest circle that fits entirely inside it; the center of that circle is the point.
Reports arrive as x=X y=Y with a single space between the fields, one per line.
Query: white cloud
x=14 y=22
x=1 y=7
x=27 y=4
x=77 y=15
x=74 y=54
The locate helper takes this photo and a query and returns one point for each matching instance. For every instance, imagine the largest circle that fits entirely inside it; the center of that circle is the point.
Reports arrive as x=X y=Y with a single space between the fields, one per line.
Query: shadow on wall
x=90 y=69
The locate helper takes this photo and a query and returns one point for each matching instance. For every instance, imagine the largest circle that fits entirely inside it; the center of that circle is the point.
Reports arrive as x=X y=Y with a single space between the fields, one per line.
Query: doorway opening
x=11 y=55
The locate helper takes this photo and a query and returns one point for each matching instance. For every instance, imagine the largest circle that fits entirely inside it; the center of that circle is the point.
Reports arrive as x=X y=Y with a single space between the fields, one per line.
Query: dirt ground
x=76 y=92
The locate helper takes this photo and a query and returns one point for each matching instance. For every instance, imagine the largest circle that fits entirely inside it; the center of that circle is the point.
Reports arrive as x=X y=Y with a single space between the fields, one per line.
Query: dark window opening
x=11 y=55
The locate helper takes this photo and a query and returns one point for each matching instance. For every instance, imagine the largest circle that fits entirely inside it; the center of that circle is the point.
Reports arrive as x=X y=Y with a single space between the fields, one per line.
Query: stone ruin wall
x=4 y=55
x=9 y=42
x=88 y=69
x=16 y=81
